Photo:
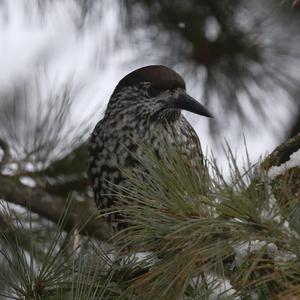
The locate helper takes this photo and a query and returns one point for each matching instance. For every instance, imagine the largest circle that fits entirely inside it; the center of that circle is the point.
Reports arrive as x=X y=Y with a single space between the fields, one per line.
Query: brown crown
x=159 y=76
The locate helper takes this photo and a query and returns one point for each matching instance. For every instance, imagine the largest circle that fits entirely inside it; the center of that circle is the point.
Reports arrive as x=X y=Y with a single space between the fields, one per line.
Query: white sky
x=27 y=40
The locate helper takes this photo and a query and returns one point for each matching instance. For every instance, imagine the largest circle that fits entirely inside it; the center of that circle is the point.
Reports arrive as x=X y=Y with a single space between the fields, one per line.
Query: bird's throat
x=168 y=115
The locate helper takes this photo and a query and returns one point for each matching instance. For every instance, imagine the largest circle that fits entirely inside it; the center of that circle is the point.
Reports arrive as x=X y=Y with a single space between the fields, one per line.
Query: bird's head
x=154 y=92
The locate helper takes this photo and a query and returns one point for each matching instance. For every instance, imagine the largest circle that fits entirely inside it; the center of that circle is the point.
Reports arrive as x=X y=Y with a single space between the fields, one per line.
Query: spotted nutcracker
x=145 y=107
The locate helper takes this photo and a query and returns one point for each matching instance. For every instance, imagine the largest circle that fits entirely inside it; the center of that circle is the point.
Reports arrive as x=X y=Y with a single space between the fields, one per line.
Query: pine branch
x=233 y=232
x=52 y=207
x=282 y=153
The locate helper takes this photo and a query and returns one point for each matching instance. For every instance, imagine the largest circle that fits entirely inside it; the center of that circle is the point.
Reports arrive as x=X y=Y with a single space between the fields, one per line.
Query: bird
x=145 y=106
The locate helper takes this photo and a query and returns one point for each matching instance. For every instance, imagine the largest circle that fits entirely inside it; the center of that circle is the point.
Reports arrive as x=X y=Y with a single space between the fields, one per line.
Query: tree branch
x=52 y=207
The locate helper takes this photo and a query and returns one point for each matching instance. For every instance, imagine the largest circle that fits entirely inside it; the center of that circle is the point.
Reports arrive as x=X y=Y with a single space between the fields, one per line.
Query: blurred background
x=61 y=59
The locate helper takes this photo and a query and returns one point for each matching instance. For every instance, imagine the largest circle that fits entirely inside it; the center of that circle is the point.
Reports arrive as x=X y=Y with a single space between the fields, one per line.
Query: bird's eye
x=153 y=92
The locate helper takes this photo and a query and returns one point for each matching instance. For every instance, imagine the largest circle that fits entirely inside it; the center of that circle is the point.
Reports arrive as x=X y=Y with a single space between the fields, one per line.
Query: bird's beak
x=186 y=102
